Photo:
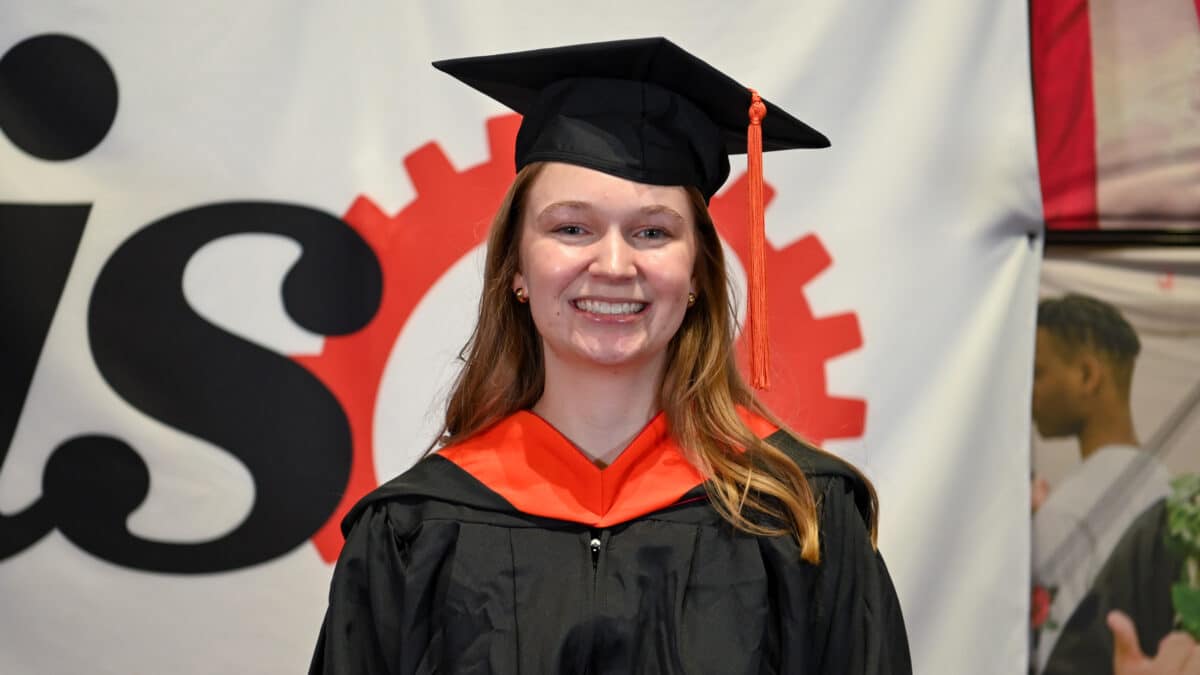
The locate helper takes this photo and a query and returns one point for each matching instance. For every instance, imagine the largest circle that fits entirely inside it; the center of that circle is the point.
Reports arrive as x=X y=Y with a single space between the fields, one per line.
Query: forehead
x=559 y=182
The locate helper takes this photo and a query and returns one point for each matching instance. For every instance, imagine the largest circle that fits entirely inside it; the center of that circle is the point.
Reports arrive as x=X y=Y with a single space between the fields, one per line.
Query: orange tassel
x=760 y=355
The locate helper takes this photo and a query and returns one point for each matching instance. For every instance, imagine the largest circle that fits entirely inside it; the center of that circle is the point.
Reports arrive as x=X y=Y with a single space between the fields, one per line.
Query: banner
x=1115 y=86
x=240 y=250
x=1117 y=406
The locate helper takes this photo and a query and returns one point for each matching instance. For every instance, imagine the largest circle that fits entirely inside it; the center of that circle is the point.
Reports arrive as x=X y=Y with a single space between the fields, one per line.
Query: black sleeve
x=857 y=627
x=378 y=620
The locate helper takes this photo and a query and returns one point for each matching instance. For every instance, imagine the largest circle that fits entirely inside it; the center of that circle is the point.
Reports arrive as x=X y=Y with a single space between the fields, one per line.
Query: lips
x=609 y=308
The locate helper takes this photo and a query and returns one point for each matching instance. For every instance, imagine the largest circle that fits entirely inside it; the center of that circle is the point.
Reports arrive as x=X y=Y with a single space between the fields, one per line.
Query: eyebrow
x=567 y=205
x=656 y=209
x=649 y=210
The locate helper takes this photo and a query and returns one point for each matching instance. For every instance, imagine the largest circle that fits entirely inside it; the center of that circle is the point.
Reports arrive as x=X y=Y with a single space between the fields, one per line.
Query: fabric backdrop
x=1116 y=85
x=239 y=254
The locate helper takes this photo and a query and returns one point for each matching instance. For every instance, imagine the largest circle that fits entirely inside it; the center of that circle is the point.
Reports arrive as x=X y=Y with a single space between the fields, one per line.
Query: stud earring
x=522 y=296
x=691 y=299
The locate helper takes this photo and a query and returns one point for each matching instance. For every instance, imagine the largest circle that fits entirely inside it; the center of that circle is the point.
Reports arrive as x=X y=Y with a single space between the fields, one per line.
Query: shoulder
x=1116 y=462
x=1076 y=495
x=432 y=480
x=831 y=478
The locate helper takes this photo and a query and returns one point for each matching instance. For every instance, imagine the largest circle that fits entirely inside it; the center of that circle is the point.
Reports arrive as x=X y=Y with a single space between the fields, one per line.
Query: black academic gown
x=442 y=574
x=1136 y=579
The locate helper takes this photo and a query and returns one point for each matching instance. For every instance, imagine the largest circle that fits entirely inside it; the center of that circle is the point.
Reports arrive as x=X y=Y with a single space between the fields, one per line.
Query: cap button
x=758 y=109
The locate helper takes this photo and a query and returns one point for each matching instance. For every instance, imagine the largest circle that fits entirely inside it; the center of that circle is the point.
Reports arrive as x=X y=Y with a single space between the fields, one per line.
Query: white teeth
x=598 y=307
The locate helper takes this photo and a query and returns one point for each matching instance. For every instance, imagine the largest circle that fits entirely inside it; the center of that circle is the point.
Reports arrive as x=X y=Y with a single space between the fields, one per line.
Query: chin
x=613 y=360
x=1049 y=433
x=616 y=356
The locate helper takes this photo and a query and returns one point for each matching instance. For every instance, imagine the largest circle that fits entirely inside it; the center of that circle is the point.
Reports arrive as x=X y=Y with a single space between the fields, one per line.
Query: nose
x=614 y=256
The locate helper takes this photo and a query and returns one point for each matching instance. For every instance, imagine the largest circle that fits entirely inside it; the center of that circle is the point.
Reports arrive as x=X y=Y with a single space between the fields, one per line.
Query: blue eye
x=569 y=229
x=653 y=233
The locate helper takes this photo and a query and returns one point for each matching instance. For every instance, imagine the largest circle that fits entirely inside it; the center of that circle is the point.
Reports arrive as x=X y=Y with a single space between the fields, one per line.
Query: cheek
x=1047 y=396
x=550 y=269
x=1045 y=388
x=673 y=273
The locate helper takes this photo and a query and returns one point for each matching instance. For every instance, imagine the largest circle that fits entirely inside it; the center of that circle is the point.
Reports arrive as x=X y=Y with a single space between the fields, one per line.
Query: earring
x=522 y=296
x=691 y=299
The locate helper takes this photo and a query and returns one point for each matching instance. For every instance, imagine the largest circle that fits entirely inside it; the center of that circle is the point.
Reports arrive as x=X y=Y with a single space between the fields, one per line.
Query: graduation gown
x=513 y=553
x=1135 y=579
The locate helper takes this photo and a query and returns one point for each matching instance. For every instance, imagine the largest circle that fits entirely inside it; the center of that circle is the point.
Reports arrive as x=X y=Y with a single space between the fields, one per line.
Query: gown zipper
x=595 y=546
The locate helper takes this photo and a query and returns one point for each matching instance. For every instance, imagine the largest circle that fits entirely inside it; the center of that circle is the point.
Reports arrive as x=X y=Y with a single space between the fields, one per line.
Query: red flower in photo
x=1039 y=606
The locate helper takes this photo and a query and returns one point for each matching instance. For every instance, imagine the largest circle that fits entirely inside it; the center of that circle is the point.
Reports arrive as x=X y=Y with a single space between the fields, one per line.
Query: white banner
x=241 y=266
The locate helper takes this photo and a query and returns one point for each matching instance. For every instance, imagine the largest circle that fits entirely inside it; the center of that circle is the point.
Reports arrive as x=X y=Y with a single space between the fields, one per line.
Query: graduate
x=608 y=496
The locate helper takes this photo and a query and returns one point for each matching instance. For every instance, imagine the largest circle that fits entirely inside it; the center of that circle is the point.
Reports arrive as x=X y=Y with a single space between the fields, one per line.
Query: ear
x=1090 y=372
x=518 y=281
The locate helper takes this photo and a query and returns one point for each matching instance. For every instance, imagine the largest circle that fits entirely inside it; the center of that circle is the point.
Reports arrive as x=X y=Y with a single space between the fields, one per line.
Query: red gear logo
x=458 y=207
x=800 y=342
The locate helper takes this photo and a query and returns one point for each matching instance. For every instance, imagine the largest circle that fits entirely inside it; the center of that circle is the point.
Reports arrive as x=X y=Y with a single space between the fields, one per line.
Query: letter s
x=272 y=414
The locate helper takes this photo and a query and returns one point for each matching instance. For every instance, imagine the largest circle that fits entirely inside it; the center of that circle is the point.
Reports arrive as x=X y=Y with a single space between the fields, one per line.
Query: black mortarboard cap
x=643 y=109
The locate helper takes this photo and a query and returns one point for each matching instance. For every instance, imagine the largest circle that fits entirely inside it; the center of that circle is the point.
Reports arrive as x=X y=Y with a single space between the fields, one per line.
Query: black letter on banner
x=37 y=247
x=272 y=414
x=58 y=96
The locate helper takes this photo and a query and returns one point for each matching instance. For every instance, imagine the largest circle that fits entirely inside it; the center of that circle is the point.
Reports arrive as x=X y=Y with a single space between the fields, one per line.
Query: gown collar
x=540 y=472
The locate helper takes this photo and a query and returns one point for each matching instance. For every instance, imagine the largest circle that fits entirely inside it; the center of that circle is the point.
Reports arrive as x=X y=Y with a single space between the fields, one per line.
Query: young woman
x=609 y=496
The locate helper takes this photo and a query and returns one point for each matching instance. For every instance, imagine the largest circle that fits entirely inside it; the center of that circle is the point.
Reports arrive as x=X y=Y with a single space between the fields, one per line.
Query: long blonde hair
x=759 y=490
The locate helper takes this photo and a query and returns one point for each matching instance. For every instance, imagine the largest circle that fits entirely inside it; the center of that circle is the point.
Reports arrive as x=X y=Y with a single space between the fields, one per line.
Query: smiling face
x=607 y=265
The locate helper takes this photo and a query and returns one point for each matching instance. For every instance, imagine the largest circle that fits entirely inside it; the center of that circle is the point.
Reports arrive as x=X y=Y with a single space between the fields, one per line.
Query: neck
x=600 y=409
x=1109 y=428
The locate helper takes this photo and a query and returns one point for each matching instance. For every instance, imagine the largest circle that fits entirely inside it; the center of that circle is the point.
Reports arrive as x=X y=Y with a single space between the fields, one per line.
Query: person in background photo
x=1083 y=373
